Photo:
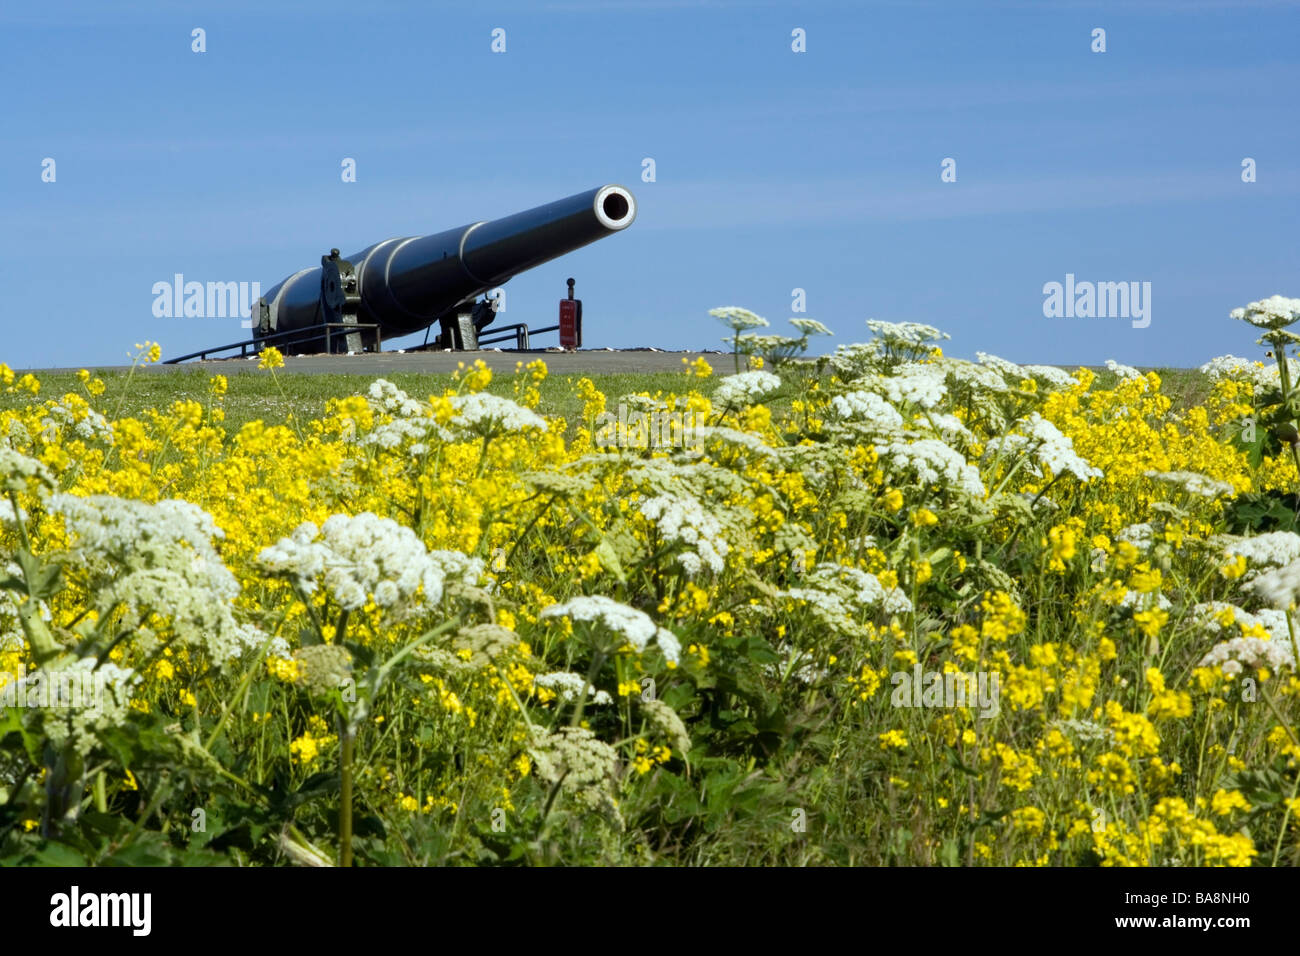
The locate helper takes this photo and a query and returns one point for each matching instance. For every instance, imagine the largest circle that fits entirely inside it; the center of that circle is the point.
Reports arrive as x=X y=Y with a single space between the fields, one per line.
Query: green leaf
x=607 y=554
x=42 y=579
x=58 y=854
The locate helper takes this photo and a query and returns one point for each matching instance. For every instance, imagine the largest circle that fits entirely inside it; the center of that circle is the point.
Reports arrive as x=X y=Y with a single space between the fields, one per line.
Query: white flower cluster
x=683 y=520
x=20 y=473
x=632 y=625
x=1209 y=616
x=1193 y=483
x=1145 y=601
x=745 y=388
x=572 y=759
x=1141 y=536
x=979 y=378
x=861 y=588
x=79 y=419
x=1279 y=586
x=483 y=414
x=916 y=383
x=855 y=360
x=907 y=334
x=1262 y=377
x=8 y=515
x=1052 y=449
x=810 y=327
x=1008 y=370
x=775 y=347
x=1122 y=371
x=934 y=463
x=412 y=420
x=384 y=396
x=739 y=319
x=364 y=555
x=569 y=687
x=1051 y=376
x=1253 y=652
x=172 y=534
x=1275 y=548
x=894 y=342
x=949 y=427
x=77 y=699
x=666 y=720
x=801 y=664
x=868 y=408
x=158 y=559
x=1275 y=312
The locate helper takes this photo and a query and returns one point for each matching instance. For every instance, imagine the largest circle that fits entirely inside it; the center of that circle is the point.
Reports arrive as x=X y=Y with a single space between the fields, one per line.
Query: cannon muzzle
x=405 y=285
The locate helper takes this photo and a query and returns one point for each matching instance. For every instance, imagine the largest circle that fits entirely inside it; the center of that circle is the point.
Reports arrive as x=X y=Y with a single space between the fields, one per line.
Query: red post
x=570 y=321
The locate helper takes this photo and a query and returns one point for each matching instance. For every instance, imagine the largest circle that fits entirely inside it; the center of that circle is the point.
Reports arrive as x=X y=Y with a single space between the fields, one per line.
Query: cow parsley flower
x=1051 y=376
x=1053 y=450
x=810 y=327
x=1233 y=656
x=1274 y=548
x=911 y=335
x=20 y=473
x=634 y=626
x=580 y=765
x=950 y=427
x=746 y=388
x=915 y=383
x=1193 y=483
x=683 y=520
x=485 y=414
x=861 y=588
x=77 y=699
x=1004 y=368
x=729 y=436
x=1141 y=536
x=665 y=720
x=868 y=408
x=934 y=463
x=1275 y=312
x=365 y=555
x=569 y=687
x=1279 y=587
x=977 y=378
x=1122 y=371
x=739 y=319
x=72 y=415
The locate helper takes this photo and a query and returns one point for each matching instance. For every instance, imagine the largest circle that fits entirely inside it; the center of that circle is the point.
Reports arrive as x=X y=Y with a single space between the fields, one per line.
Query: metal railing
x=292 y=337
x=519 y=332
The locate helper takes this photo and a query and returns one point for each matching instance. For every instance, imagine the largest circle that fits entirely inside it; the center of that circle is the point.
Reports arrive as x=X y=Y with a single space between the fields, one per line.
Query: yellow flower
x=893 y=740
x=272 y=358
x=1224 y=802
x=1151 y=621
x=924 y=518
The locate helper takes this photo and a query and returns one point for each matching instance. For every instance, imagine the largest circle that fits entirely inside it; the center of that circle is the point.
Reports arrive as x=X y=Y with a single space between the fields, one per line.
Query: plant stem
x=348 y=740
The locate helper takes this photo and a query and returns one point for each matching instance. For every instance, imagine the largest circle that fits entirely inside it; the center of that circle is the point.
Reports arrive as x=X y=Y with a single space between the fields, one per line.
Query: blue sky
x=775 y=170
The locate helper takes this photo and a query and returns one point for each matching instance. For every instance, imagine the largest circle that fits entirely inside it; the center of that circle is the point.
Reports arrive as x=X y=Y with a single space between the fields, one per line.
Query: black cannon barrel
x=405 y=285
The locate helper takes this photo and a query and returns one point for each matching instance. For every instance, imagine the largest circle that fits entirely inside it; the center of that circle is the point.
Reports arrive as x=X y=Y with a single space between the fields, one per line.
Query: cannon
x=400 y=286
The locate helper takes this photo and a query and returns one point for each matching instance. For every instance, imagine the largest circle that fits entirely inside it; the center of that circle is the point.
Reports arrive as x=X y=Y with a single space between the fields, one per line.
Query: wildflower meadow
x=878 y=607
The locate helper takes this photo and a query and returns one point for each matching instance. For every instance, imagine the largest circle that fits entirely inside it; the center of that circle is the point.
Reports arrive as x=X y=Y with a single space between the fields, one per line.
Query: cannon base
x=458 y=332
